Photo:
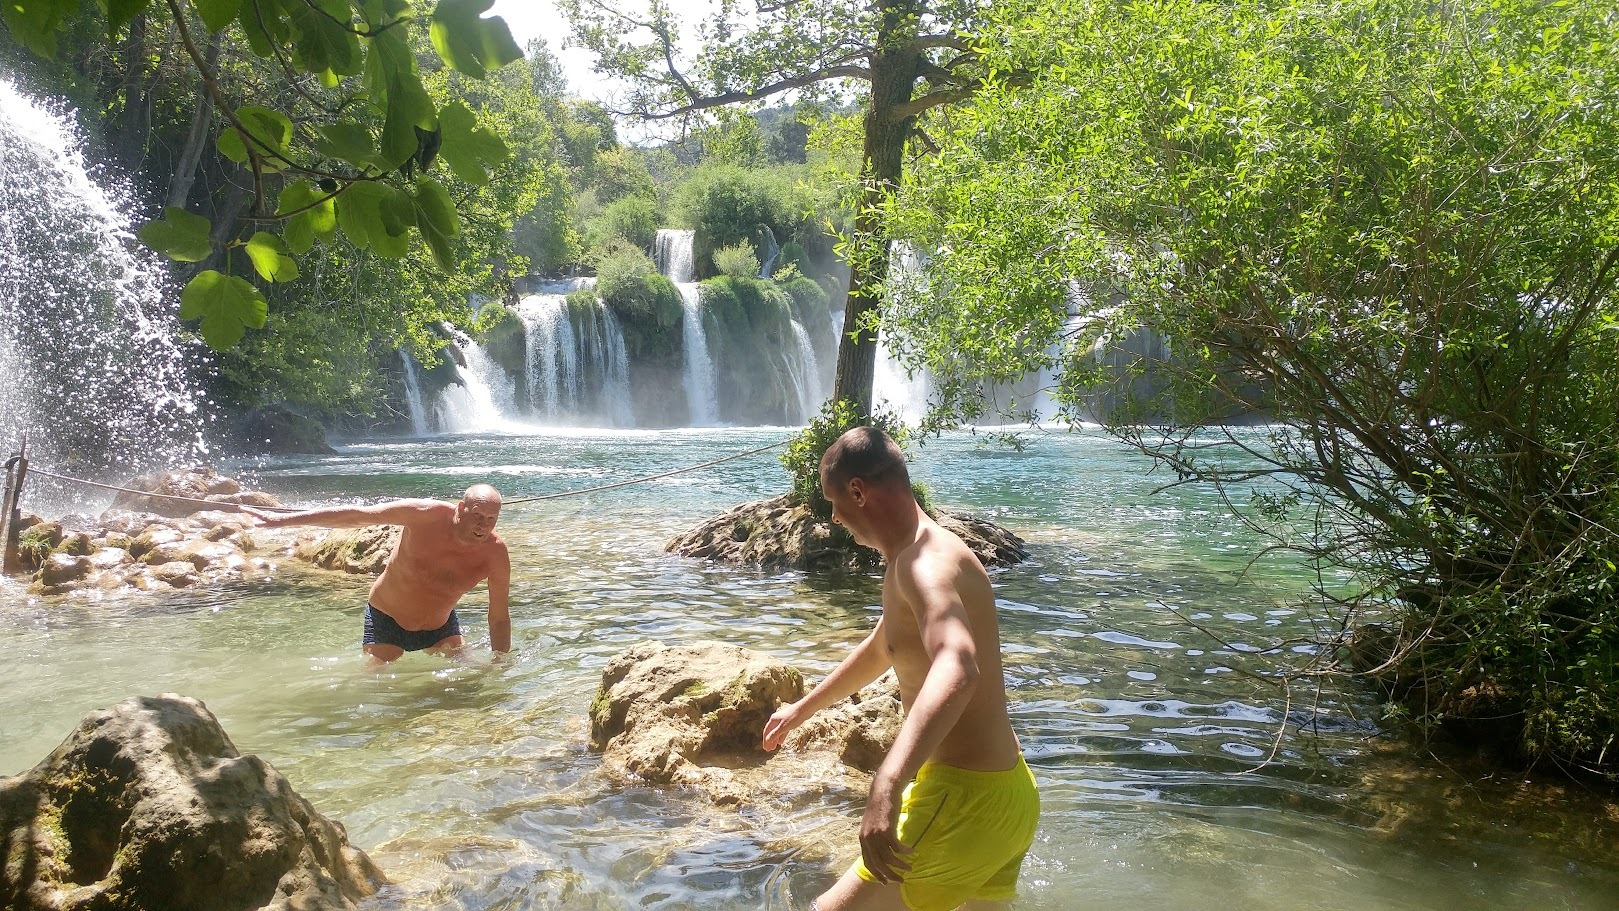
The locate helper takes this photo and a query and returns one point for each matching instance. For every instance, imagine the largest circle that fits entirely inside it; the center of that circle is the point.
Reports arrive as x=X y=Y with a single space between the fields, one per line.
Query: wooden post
x=11 y=510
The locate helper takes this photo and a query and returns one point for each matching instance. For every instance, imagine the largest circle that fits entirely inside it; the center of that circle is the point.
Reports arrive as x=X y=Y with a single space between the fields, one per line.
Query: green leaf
x=270 y=259
x=227 y=306
x=391 y=76
x=264 y=24
x=348 y=141
x=120 y=12
x=317 y=216
x=271 y=131
x=36 y=23
x=378 y=216
x=436 y=217
x=467 y=147
x=216 y=14
x=324 y=38
x=469 y=43
x=179 y=235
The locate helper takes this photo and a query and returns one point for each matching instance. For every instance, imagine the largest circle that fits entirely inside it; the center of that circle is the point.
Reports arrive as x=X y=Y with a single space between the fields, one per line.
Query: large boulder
x=149 y=805
x=278 y=430
x=694 y=716
x=781 y=533
x=351 y=550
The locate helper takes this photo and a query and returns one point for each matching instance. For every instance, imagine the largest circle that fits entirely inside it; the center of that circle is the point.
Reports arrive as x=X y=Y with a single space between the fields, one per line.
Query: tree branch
x=797 y=82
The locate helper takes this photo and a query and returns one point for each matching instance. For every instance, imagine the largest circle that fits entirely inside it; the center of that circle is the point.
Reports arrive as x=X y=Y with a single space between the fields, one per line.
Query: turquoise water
x=1170 y=778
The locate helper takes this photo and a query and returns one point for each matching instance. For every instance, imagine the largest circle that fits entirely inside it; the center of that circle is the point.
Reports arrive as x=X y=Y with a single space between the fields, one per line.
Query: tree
x=358 y=156
x=912 y=55
x=1389 y=226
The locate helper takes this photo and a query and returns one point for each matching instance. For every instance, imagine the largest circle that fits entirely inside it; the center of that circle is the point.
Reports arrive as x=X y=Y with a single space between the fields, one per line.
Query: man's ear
x=857 y=491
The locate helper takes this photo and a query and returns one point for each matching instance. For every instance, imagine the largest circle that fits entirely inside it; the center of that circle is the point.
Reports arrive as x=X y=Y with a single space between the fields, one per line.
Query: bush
x=809 y=299
x=737 y=261
x=727 y=205
x=634 y=218
x=647 y=304
x=803 y=456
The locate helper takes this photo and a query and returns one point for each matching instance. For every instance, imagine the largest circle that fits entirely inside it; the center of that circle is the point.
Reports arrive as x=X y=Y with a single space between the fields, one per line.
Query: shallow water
x=472 y=785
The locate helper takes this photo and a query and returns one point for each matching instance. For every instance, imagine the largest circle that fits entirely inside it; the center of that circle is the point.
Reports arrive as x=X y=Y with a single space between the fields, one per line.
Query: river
x=1163 y=781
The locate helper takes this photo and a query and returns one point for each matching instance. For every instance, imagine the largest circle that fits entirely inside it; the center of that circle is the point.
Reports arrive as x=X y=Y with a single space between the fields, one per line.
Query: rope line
x=550 y=496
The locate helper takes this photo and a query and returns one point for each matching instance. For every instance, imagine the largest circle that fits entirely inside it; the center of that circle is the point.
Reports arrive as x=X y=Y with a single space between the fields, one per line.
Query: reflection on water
x=1163 y=779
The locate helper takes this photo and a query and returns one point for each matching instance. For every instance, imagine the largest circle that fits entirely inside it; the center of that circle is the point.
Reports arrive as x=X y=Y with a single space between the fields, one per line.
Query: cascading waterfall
x=772 y=250
x=90 y=366
x=808 y=375
x=482 y=398
x=674 y=255
x=575 y=359
x=413 y=395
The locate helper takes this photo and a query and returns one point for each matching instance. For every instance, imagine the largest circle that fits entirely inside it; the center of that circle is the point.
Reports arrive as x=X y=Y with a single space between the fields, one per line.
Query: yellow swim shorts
x=968 y=832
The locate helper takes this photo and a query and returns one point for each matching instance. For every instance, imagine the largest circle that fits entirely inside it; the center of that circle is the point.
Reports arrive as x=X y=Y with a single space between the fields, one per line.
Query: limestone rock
x=190 y=484
x=62 y=568
x=694 y=716
x=179 y=573
x=37 y=542
x=781 y=533
x=278 y=430
x=354 y=550
x=149 y=805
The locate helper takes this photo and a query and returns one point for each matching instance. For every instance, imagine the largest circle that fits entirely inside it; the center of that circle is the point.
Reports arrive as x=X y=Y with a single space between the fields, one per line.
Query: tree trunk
x=202 y=119
x=135 y=124
x=893 y=79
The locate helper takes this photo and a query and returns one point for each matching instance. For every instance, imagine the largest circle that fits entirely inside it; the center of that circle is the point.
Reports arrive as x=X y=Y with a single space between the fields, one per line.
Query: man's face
x=475 y=520
x=845 y=500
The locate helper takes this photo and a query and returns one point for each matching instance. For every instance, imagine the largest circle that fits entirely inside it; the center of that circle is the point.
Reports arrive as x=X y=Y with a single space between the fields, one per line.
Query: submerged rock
x=782 y=533
x=694 y=716
x=149 y=805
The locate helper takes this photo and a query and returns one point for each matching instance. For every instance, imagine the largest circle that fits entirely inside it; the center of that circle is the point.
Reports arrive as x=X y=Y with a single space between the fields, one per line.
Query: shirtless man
x=952 y=809
x=445 y=550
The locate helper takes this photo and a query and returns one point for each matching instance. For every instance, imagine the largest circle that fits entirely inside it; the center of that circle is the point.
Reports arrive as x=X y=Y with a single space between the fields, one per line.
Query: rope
x=550 y=496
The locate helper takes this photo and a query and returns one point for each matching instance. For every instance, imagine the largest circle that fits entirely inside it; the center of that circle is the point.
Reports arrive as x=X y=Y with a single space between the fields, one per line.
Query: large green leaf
x=324 y=37
x=270 y=259
x=469 y=43
x=271 y=131
x=120 y=12
x=435 y=216
x=216 y=14
x=179 y=235
x=36 y=23
x=378 y=216
x=264 y=23
x=467 y=147
x=316 y=216
x=227 y=306
x=392 y=78
x=348 y=141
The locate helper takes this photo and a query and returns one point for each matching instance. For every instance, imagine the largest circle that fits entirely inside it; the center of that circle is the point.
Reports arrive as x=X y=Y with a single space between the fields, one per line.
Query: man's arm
x=500 y=617
x=863 y=665
x=928 y=585
x=393 y=512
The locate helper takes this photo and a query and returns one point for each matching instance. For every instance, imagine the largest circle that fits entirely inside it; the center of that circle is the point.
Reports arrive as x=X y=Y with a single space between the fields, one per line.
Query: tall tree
x=912 y=56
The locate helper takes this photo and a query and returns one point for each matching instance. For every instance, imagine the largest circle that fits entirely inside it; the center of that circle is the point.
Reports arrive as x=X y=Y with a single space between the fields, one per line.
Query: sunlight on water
x=472 y=785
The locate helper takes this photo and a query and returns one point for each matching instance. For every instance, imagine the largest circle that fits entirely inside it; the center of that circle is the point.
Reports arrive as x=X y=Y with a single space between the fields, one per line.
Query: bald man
x=446 y=549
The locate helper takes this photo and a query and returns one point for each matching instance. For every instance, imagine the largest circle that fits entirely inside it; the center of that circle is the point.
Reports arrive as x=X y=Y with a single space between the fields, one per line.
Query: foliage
x=361 y=165
x=727 y=205
x=737 y=261
x=1390 y=226
x=633 y=218
x=803 y=456
x=809 y=299
x=647 y=304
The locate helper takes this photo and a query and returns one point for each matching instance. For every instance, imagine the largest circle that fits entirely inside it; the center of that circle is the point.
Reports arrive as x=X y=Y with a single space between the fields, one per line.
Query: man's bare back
x=444 y=551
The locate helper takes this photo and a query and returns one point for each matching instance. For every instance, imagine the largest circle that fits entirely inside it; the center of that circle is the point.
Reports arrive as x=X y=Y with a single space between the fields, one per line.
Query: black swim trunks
x=381 y=629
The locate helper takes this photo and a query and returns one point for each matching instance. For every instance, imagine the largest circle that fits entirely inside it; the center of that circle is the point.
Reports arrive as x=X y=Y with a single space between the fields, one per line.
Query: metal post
x=11 y=510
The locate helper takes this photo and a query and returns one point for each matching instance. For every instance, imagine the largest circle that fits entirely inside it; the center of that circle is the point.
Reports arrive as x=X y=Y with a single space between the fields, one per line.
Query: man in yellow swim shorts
x=953 y=808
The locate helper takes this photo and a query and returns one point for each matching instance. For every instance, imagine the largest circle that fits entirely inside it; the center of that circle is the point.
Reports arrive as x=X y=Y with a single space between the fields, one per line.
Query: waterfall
x=90 y=366
x=482 y=398
x=772 y=250
x=413 y=395
x=674 y=256
x=808 y=375
x=575 y=359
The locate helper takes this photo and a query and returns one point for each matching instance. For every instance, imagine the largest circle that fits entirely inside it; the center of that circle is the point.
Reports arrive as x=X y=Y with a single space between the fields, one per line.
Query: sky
x=541 y=19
